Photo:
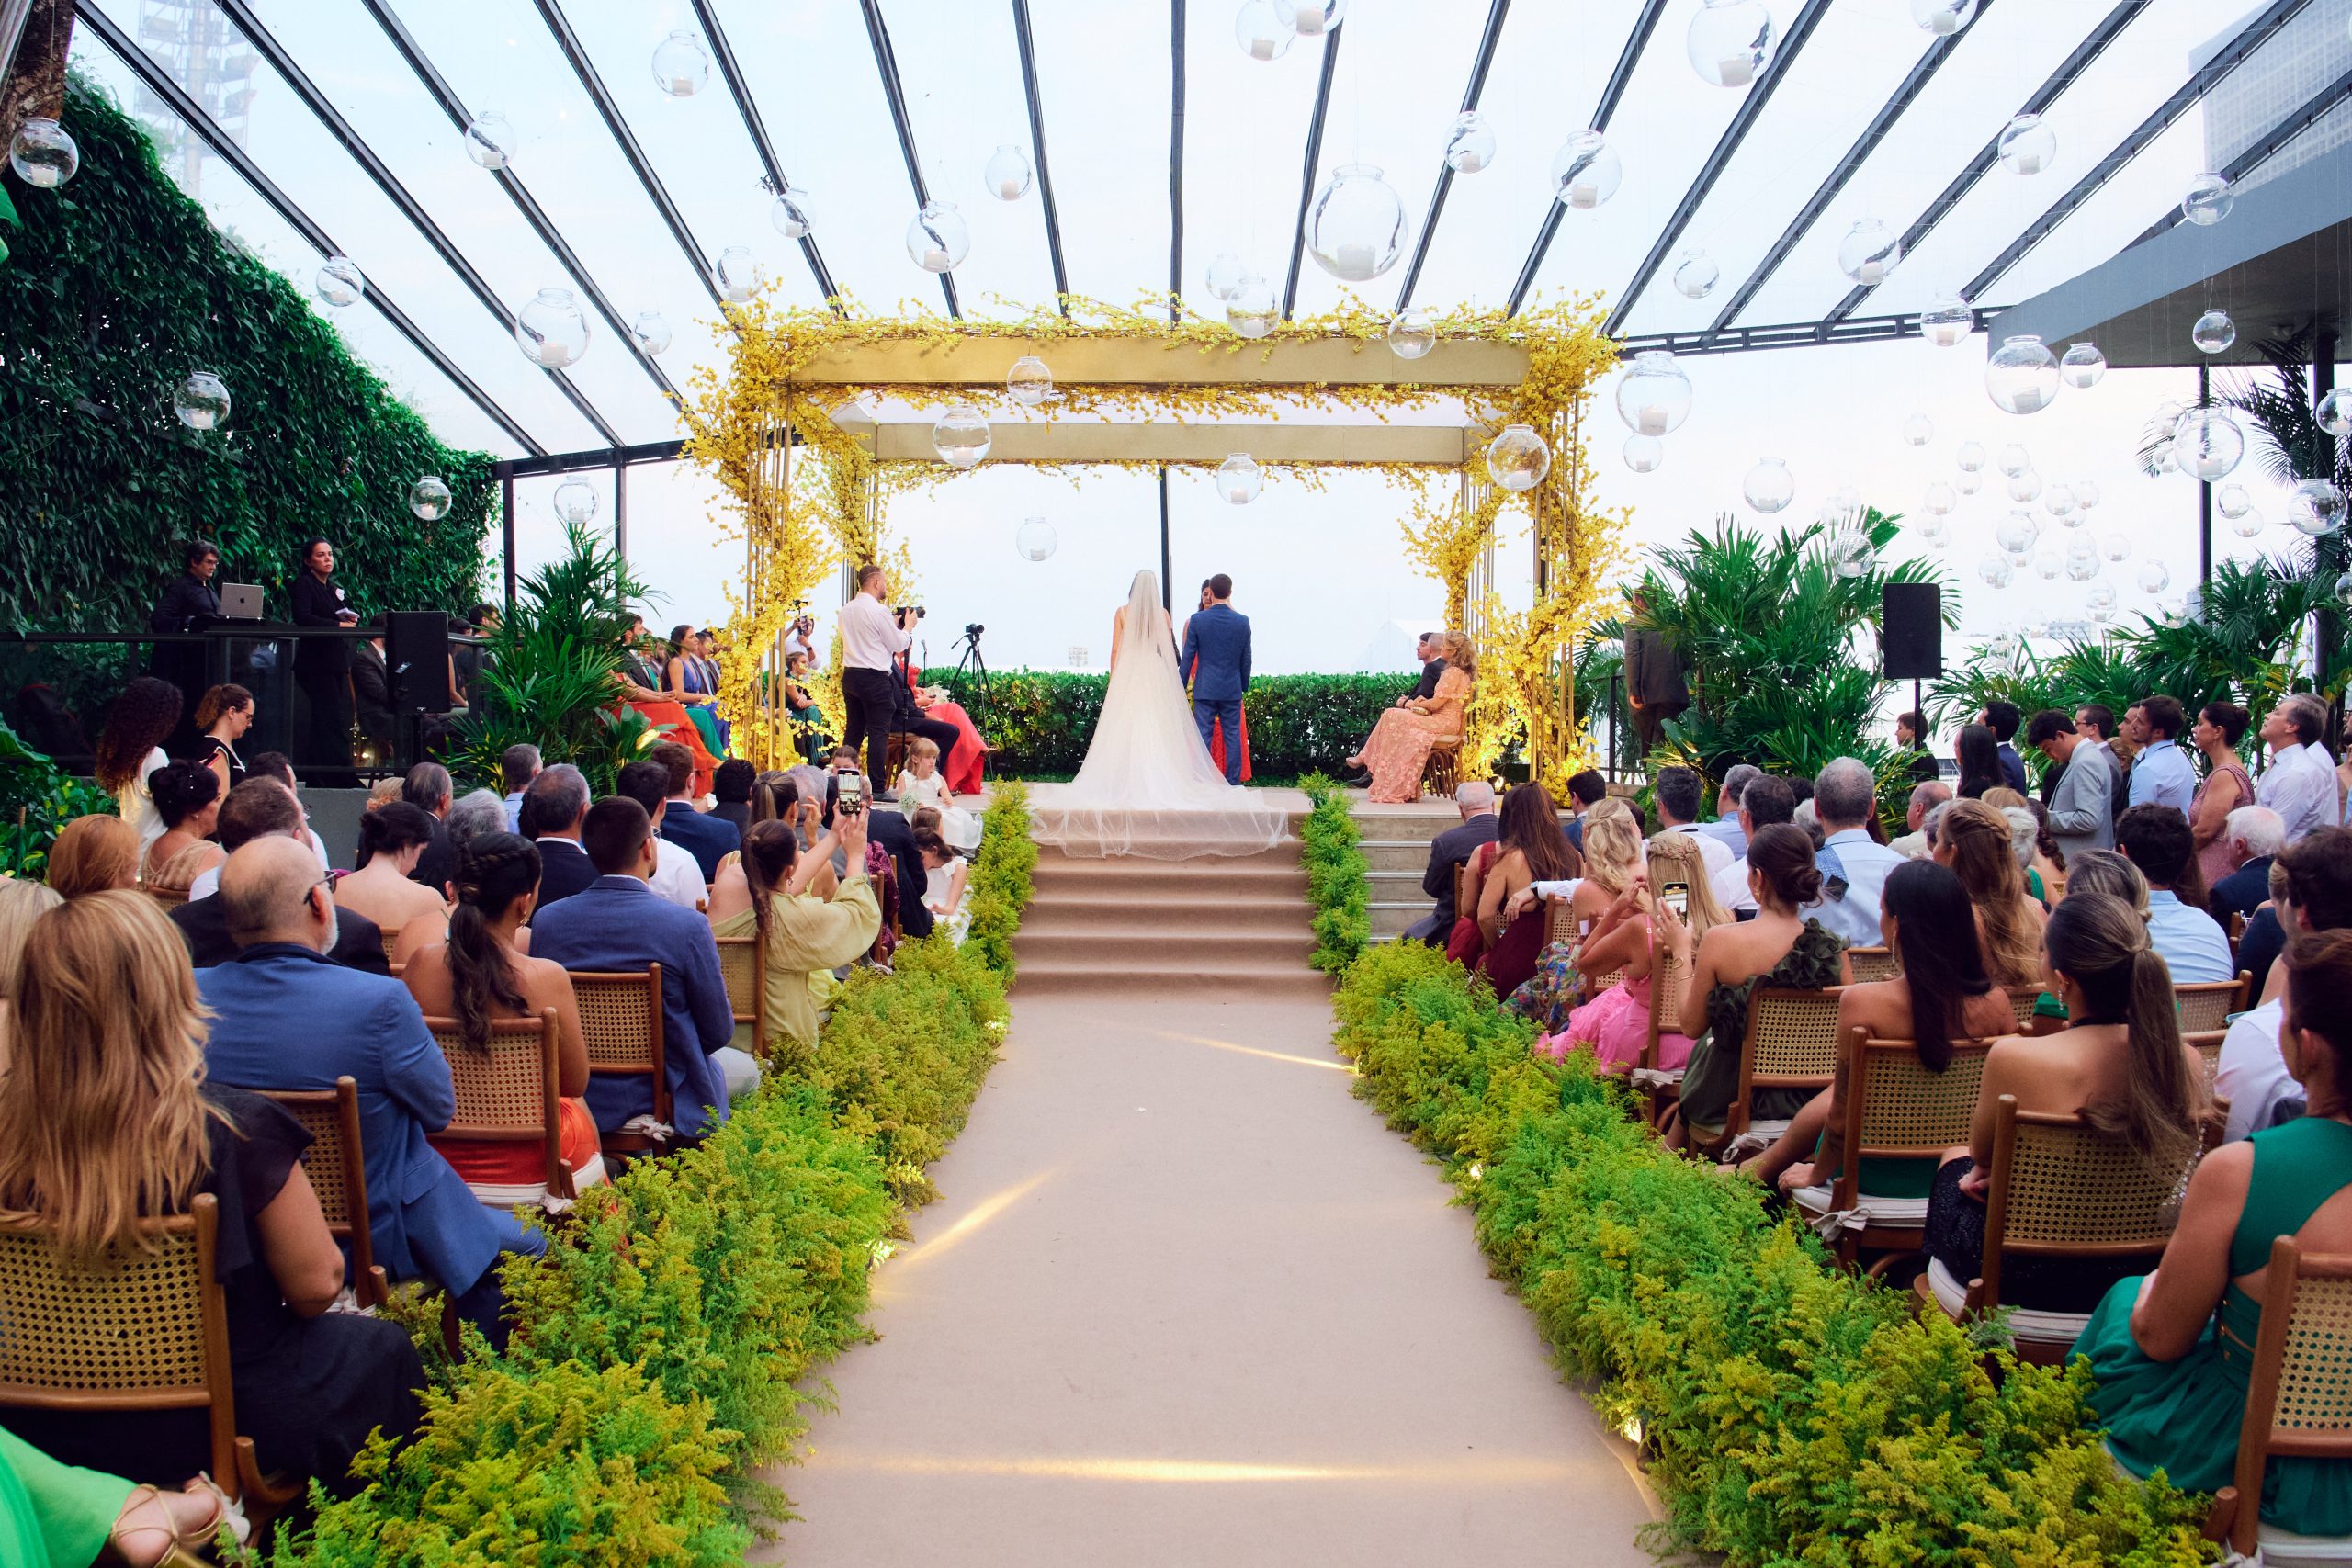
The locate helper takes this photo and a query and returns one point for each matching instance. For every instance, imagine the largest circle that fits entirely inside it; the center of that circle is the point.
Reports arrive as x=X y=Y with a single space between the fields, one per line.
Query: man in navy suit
x=554 y=806
x=1219 y=637
x=708 y=839
x=287 y=1017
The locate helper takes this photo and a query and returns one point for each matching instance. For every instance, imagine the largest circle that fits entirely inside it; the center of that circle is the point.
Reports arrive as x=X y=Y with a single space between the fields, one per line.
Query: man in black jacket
x=427 y=787
x=908 y=719
x=555 y=806
x=256 y=810
x=1448 y=851
x=188 y=605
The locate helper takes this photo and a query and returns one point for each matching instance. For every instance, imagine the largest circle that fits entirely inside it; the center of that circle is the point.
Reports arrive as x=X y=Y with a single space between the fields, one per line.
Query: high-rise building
x=2311 y=50
x=212 y=62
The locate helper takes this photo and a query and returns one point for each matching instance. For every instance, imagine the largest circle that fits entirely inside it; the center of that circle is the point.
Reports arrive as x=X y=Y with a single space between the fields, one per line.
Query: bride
x=1148 y=786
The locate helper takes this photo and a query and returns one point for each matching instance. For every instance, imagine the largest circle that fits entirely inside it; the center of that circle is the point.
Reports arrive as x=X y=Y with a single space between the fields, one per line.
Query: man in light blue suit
x=289 y=1018
x=1219 y=637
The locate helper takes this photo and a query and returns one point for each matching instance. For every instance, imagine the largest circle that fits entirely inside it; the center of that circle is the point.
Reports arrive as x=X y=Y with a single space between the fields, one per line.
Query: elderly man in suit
x=555 y=804
x=286 y=1017
x=1448 y=851
x=2082 y=809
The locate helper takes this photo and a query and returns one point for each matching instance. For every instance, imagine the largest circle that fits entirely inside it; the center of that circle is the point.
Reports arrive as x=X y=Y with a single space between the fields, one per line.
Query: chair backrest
x=2022 y=1001
x=2061 y=1187
x=2207 y=1004
x=151 y=1333
x=337 y=1167
x=742 y=964
x=2208 y=1044
x=621 y=1017
x=2298 y=1403
x=506 y=1092
x=1668 y=981
x=1792 y=1035
x=1461 y=885
x=391 y=939
x=1559 y=919
x=1896 y=1107
x=1864 y=964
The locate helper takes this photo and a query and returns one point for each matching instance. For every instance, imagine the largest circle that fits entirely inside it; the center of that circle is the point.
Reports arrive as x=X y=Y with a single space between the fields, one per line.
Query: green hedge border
x=660 y=1349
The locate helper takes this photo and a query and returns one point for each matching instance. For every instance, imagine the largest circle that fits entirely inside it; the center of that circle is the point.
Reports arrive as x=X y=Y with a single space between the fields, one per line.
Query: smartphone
x=1675 y=896
x=853 y=794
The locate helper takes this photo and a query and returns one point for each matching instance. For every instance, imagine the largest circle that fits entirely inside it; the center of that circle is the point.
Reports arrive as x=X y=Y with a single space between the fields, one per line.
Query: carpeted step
x=1164 y=977
x=1126 y=948
x=1166 y=879
x=1169 y=915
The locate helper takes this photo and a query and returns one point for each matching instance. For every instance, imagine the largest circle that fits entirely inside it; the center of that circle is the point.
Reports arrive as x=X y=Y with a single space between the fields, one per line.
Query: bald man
x=287 y=1017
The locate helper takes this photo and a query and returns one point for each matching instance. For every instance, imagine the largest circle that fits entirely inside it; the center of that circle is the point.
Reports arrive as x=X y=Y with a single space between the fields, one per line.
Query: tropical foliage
x=36 y=798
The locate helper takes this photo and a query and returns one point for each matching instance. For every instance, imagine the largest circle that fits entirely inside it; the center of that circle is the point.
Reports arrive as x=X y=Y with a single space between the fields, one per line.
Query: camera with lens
x=973 y=629
x=903 y=611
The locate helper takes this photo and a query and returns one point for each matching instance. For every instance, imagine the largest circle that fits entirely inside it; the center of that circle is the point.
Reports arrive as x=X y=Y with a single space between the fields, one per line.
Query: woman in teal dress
x=2172 y=1368
x=691 y=679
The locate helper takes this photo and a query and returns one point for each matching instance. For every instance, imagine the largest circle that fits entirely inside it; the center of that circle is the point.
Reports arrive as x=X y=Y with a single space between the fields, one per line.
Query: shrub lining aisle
x=1787 y=1411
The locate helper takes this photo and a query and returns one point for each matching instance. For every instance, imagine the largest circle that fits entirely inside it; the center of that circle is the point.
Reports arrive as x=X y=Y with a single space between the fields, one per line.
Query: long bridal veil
x=1148 y=786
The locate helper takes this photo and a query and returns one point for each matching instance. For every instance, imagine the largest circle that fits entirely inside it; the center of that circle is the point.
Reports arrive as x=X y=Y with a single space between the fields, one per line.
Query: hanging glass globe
x=2058 y=500
x=2154 y=577
x=2246 y=524
x=1970 y=457
x=2335 y=412
x=2082 y=561
x=1729 y=41
x=1518 y=459
x=550 y=331
x=1935 y=531
x=1947 y=321
x=203 y=401
x=2208 y=200
x=575 y=502
x=1469 y=143
x=2215 y=332
x=43 y=154
x=2004 y=641
x=740 y=274
x=1869 y=252
x=2344 y=589
x=1411 y=333
x=1770 y=487
x=2099 y=600
x=1940 y=501
x=2024 y=486
x=2085 y=494
x=1971 y=480
x=1313 y=18
x=490 y=140
x=2115 y=547
x=340 y=282
x=2015 y=460
x=429 y=498
x=1029 y=381
x=1355 y=231
x=2022 y=376
x=2232 y=501
x=1644 y=453
x=1695 y=275
x=1654 y=396
x=1586 y=171
x=650 y=332
x=2082 y=364
x=937 y=238
x=1226 y=275
x=2016 y=536
x=1007 y=173
x=2080 y=515
x=1943 y=17
x=2208 y=443
x=2318 y=507
x=789 y=213
x=1253 y=310
x=961 y=437
x=1918 y=430
x=680 y=65
x=1854 y=555
x=2028 y=145
x=1994 y=570
x=1034 y=539
x=2166 y=462
x=1843 y=510
x=2048 y=564
x=1238 y=478
x=1264 y=29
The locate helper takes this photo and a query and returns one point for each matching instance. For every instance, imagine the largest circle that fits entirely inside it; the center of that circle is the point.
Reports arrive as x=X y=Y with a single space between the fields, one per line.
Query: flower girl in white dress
x=922 y=785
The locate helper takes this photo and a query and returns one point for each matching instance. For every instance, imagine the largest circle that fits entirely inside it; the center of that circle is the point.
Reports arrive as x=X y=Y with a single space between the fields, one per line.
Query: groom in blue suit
x=1219 y=637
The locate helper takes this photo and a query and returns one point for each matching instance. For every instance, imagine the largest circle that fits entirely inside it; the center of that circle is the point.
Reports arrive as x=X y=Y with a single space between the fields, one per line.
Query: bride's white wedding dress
x=1148 y=786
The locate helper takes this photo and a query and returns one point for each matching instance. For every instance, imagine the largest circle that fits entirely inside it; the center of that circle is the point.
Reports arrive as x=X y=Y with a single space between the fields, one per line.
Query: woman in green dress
x=60 y=1516
x=2173 y=1351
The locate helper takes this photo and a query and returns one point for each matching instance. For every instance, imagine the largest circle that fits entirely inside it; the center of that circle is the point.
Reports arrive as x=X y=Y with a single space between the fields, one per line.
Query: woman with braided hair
x=806 y=936
x=481 y=972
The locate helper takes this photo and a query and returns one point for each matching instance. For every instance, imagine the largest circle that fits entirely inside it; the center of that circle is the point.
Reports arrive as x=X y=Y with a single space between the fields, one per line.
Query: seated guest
x=1726 y=826
x=1845 y=798
x=2046 y=863
x=480 y=973
x=275 y=765
x=929 y=713
x=922 y=784
x=2313 y=883
x=269 y=1004
x=222 y=715
x=2018 y=812
x=1613 y=860
x=1941 y=994
x=1587 y=789
x=428 y=788
x=1529 y=847
x=1979 y=756
x=1475 y=800
x=478 y=814
x=187 y=797
x=806 y=937
x=1973 y=841
x=1401 y=743
x=392 y=839
x=2254 y=835
x=1615 y=1026
x=677 y=876
x=259 y=808
x=1925 y=797
x=943 y=891
x=554 y=807
x=2171 y=1351
x=708 y=839
x=2121 y=1062
x=1676 y=795
x=94 y=854
x=2082 y=803
x=897 y=837
x=110 y=1034
x=619 y=925
x=2001 y=718
x=21 y=903
x=2156 y=840
x=130 y=747
x=730 y=787
x=1765 y=801
x=517 y=766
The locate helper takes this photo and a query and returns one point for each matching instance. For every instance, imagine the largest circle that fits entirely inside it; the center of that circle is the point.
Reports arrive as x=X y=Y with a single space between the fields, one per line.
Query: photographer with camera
x=873 y=638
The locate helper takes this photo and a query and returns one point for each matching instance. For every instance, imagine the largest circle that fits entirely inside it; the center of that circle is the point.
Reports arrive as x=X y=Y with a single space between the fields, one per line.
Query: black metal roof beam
x=1793 y=334
x=2263 y=151
x=576 y=54
x=1930 y=61
x=1175 y=160
x=747 y=107
x=594 y=457
x=1619 y=80
x=1021 y=34
x=1751 y=110
x=886 y=62
x=1313 y=156
x=2110 y=29
x=225 y=147
x=1479 y=65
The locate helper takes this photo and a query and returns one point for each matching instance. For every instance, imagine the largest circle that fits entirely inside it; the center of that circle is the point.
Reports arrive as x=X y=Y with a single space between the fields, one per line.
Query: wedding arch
x=810 y=468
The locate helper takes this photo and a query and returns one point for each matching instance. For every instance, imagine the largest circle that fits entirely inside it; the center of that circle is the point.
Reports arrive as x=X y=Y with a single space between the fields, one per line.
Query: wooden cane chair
x=2208 y=1004
x=1560 y=925
x=337 y=1167
x=1895 y=1107
x=1790 y=1042
x=166 y=898
x=2298 y=1399
x=620 y=1015
x=149 y=1333
x=1867 y=964
x=1441 y=772
x=2208 y=1044
x=506 y=1094
x=391 y=939
x=2059 y=1187
x=2023 y=999
x=1669 y=980
x=742 y=964
x=1461 y=887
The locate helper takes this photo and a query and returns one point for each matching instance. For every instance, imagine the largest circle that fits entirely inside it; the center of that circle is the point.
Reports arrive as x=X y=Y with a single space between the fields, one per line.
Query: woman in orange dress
x=639 y=679
x=1401 y=743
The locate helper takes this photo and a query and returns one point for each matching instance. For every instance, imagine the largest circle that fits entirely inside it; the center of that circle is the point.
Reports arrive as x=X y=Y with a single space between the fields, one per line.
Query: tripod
x=976 y=667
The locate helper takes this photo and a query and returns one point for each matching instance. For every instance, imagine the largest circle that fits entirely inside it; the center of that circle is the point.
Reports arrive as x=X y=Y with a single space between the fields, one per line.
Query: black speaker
x=1911 y=641
x=416 y=656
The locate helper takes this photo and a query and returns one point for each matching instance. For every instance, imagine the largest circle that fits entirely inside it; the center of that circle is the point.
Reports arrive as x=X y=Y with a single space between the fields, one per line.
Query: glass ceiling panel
x=959 y=66
x=1245 y=143
x=1105 y=92
x=296 y=152
x=811 y=68
x=1402 y=71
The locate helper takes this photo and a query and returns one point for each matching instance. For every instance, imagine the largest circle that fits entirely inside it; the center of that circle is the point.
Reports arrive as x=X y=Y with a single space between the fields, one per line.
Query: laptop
x=240 y=600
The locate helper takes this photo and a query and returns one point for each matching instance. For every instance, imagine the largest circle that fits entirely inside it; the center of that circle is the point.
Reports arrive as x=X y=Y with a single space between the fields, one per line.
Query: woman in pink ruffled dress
x=1615 y=1026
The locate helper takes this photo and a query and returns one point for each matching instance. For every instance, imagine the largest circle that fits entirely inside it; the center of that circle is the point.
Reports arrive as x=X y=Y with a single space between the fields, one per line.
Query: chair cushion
x=2026 y=1326
x=2284 y=1548
x=1907 y=1211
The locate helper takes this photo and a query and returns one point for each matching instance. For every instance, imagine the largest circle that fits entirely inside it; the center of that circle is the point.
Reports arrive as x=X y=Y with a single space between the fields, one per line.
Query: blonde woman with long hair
x=1613 y=857
x=1615 y=1026
x=1975 y=842
x=108 y=1123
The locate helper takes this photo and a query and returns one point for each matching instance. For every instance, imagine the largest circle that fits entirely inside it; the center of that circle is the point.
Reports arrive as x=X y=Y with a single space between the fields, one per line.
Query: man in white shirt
x=1676 y=792
x=2251 y=1076
x=2299 y=783
x=1845 y=796
x=2161 y=774
x=1726 y=823
x=2155 y=839
x=1765 y=801
x=517 y=766
x=871 y=637
x=676 y=877
x=1926 y=797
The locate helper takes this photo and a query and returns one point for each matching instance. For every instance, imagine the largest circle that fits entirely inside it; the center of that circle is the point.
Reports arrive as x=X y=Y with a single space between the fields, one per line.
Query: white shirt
x=2252 y=1075
x=2299 y=785
x=2162 y=775
x=1714 y=854
x=677 y=875
x=207 y=882
x=1866 y=862
x=1730 y=888
x=2189 y=941
x=869 y=637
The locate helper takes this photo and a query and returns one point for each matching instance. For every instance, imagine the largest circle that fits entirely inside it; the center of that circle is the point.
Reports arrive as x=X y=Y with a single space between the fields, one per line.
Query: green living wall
x=115 y=287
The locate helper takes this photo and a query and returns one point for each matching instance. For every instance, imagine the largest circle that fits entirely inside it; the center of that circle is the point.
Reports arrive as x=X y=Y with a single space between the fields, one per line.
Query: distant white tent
x=1391 y=647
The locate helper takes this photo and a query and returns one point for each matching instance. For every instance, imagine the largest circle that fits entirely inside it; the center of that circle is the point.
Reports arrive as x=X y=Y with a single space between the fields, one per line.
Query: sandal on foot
x=147 y=1534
